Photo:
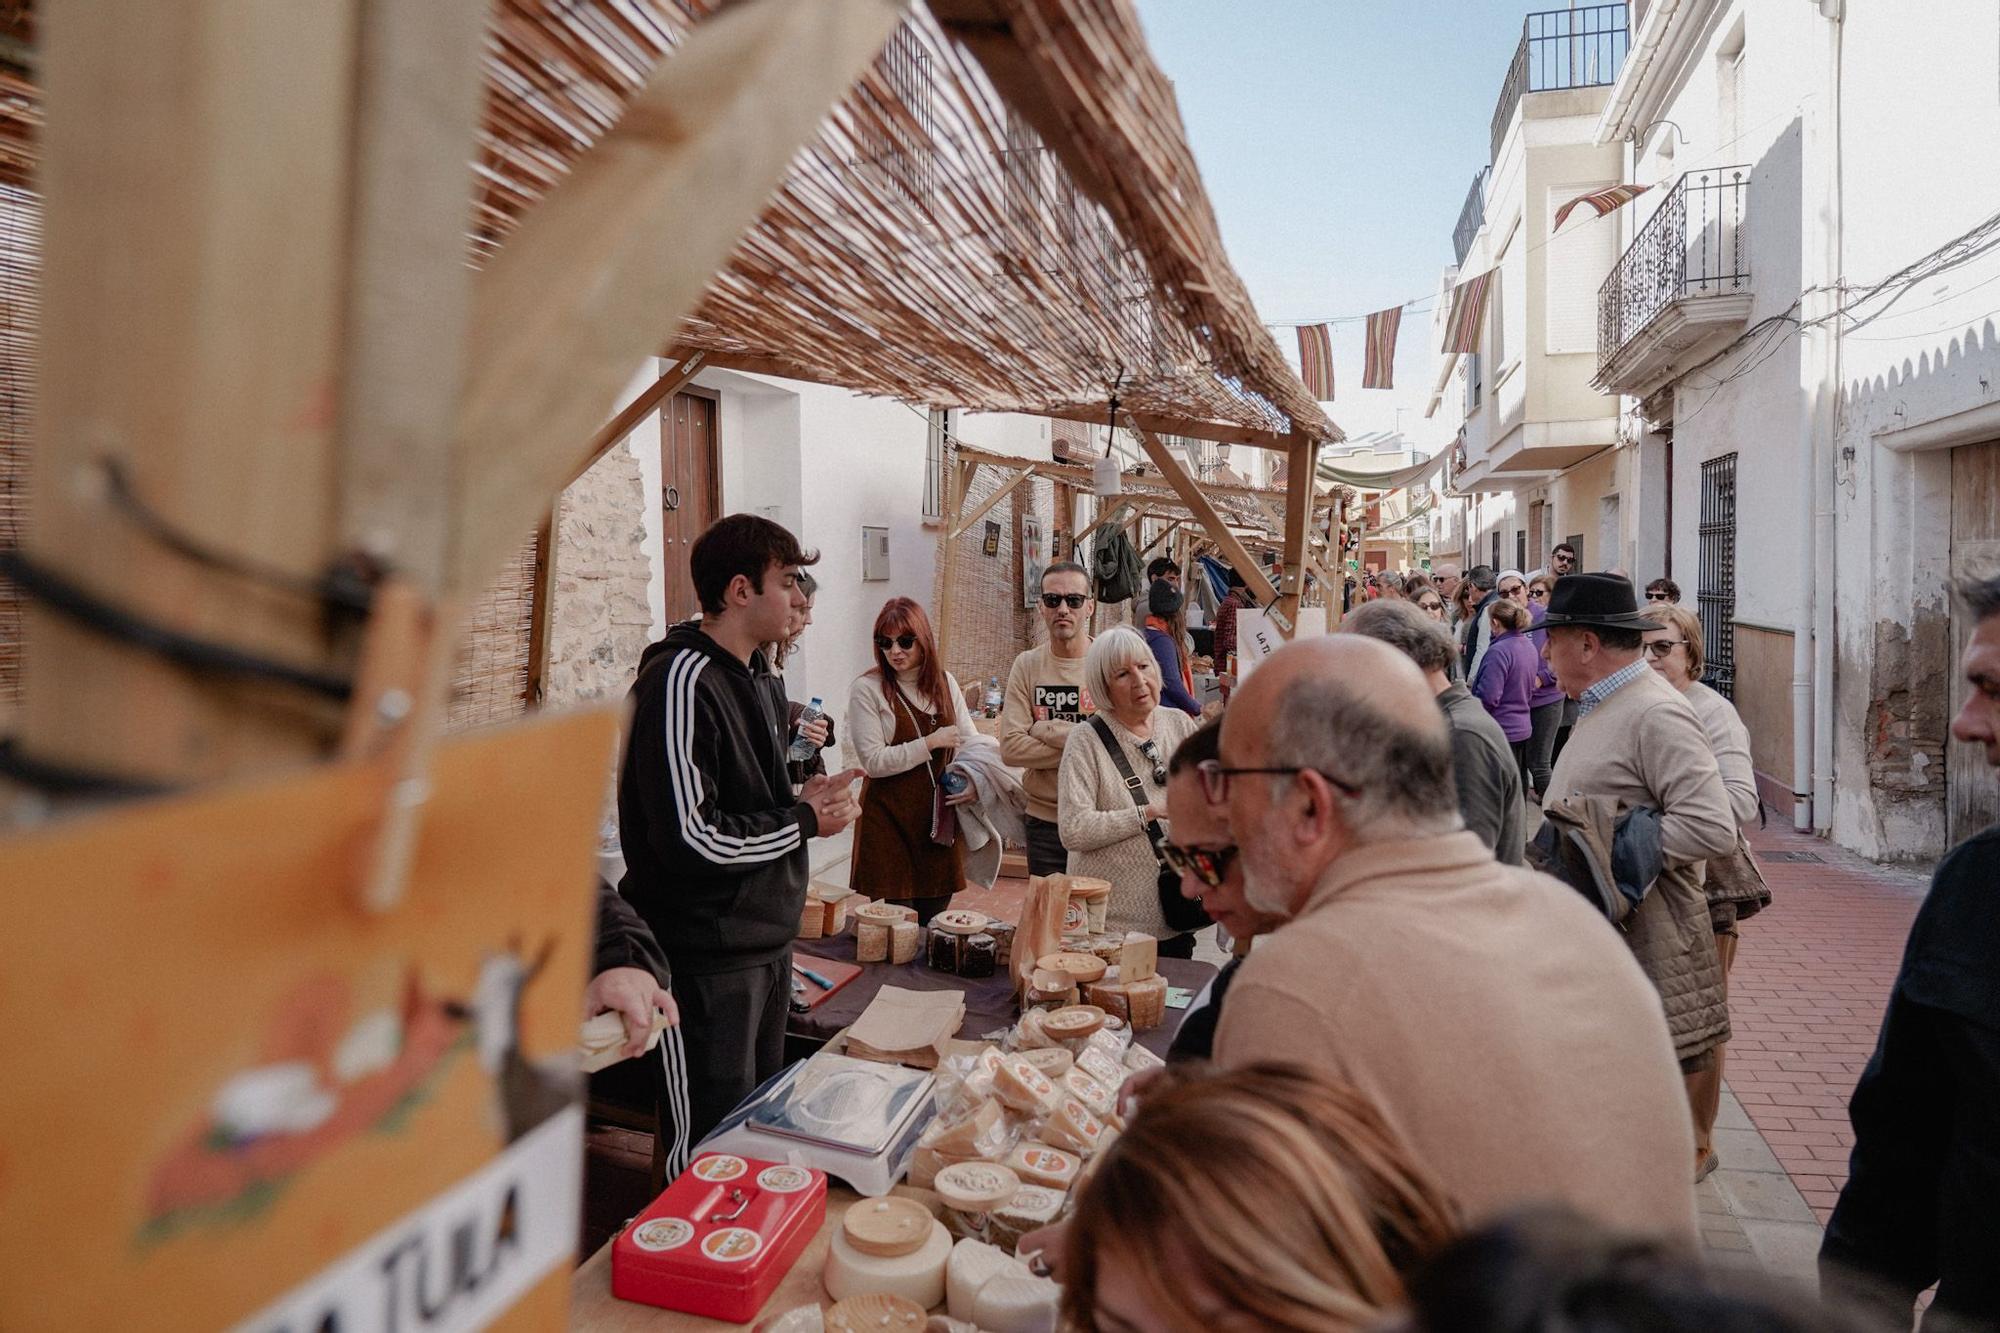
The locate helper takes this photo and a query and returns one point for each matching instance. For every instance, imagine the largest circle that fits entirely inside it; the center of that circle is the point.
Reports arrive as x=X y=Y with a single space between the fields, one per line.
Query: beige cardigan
x=1101 y=826
x=1498 y=1022
x=1730 y=740
x=871 y=721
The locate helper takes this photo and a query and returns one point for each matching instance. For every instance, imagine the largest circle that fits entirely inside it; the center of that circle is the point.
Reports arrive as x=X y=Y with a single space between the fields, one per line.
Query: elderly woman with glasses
x=1735 y=886
x=905 y=718
x=1103 y=822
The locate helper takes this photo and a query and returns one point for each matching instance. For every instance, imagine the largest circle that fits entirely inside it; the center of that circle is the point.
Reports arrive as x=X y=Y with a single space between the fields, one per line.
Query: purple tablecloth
x=989 y=1001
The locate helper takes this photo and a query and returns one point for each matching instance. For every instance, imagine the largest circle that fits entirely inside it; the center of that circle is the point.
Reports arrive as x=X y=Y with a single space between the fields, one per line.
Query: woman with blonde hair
x=1111 y=828
x=1268 y=1197
x=1735 y=886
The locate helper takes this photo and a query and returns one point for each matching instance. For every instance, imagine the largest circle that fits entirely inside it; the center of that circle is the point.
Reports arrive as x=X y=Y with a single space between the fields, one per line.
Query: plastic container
x=803 y=750
x=721 y=1238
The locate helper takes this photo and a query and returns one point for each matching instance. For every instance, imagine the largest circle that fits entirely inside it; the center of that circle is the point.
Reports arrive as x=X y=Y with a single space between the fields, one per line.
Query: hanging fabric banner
x=1468 y=312
x=1603 y=201
x=1379 y=369
x=1316 y=360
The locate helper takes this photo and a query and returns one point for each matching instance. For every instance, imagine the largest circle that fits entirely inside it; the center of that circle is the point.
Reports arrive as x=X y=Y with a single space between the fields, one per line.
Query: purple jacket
x=1507 y=682
x=1546 y=690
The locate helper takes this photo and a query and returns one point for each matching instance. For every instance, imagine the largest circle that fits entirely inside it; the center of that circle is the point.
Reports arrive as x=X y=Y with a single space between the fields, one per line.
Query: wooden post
x=1300 y=476
x=987 y=505
x=676 y=378
x=605 y=267
x=196 y=169
x=1213 y=523
x=956 y=488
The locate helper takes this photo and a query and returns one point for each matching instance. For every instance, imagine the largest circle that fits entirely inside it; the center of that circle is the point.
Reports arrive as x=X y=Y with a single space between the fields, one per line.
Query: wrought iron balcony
x=1562 y=48
x=1470 y=218
x=1682 y=288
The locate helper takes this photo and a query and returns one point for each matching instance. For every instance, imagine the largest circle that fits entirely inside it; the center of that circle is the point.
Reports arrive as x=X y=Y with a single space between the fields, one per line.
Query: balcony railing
x=1692 y=247
x=1562 y=48
x=1470 y=218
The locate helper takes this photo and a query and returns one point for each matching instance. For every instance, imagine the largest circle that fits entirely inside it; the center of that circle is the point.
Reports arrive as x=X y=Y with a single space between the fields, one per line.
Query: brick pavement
x=1807 y=993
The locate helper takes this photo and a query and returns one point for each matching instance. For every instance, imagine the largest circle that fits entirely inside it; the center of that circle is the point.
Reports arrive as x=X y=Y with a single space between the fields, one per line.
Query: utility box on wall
x=874 y=555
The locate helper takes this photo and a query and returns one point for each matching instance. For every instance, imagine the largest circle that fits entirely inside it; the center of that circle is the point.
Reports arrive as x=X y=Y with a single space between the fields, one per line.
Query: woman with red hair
x=905 y=717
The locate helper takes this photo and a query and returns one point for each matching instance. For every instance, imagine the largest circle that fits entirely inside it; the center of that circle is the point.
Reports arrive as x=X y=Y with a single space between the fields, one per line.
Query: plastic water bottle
x=993 y=699
x=956 y=781
x=803 y=749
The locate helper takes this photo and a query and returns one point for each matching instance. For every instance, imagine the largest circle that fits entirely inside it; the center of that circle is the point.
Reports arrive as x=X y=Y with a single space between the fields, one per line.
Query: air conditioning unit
x=874 y=555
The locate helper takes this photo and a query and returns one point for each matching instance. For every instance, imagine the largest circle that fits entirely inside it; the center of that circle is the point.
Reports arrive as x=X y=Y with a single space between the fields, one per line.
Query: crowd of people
x=1481 y=858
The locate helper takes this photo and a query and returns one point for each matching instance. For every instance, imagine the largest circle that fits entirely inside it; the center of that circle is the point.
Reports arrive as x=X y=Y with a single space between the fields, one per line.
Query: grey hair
x=1979 y=596
x=1400 y=765
x=1116 y=647
x=1406 y=629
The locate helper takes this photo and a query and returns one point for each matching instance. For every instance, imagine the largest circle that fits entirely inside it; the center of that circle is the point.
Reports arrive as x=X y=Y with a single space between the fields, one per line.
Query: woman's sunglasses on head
x=1073 y=600
x=903 y=641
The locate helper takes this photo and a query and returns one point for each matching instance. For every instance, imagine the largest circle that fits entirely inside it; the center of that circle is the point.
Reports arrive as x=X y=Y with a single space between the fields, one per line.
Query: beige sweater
x=1039 y=690
x=871 y=722
x=1102 y=827
x=1499 y=1024
x=1730 y=740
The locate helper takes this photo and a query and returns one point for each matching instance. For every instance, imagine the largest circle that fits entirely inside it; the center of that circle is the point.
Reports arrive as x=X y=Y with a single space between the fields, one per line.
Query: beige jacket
x=1644 y=747
x=1499 y=1023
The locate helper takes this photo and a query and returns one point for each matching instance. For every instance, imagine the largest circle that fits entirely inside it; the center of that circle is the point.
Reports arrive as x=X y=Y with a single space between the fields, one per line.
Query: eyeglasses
x=1538 y=594
x=1215 y=779
x=1659 y=648
x=1658 y=597
x=1073 y=600
x=1210 y=865
x=1152 y=753
x=1431 y=606
x=1514 y=591
x=903 y=641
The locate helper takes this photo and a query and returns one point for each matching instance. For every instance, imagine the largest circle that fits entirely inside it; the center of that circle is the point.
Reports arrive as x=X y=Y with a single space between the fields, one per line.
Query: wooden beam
x=627 y=243
x=1077 y=474
x=1218 y=529
x=986 y=506
x=196 y=160
x=1165 y=533
x=649 y=399
x=1299 y=477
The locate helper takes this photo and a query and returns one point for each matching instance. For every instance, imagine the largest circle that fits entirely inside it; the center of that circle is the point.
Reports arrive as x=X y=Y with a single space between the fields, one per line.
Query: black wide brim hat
x=1606 y=601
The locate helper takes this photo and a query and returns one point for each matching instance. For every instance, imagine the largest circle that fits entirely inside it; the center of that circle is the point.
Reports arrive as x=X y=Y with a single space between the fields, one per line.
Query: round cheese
x=976 y=1187
x=876 y=1313
x=885 y=913
x=960 y=921
x=1080 y=967
x=886 y=1228
x=1051 y=1060
x=917 y=1277
x=1074 y=1022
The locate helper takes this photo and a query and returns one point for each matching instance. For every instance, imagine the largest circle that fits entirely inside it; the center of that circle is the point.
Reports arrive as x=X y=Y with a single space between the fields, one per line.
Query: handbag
x=1182 y=914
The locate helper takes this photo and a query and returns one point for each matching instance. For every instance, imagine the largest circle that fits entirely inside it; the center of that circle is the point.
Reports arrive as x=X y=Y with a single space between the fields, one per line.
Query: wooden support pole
x=987 y=505
x=625 y=246
x=957 y=484
x=1204 y=513
x=1165 y=533
x=197 y=155
x=659 y=391
x=1300 y=472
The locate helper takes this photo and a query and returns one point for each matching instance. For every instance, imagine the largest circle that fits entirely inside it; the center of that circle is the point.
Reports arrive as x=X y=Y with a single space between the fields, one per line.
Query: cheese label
x=720 y=1167
x=784 y=1179
x=732 y=1245
x=1082 y=1121
x=663 y=1233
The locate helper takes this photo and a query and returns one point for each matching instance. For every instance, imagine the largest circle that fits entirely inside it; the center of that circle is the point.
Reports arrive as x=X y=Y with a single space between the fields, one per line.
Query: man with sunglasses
x=1045 y=697
x=1493 y=1016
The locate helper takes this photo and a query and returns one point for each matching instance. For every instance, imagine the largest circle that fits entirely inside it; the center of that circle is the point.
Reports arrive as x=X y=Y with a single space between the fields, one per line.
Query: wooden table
x=989 y=1001
x=593 y=1307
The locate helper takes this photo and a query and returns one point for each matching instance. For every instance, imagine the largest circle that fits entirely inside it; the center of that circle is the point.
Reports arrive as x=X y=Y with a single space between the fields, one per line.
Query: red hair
x=901 y=615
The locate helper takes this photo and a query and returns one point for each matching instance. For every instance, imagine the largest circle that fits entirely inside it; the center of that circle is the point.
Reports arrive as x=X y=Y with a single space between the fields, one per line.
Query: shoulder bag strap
x=1133 y=786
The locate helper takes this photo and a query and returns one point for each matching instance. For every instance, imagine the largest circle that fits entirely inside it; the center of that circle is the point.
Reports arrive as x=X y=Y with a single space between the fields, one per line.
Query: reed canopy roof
x=1004 y=214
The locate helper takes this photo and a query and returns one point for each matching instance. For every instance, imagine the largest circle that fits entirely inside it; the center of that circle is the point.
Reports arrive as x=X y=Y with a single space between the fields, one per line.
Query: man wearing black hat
x=1638 y=743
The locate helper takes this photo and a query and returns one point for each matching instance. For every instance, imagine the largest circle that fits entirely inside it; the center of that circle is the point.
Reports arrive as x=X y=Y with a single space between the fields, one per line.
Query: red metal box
x=721 y=1238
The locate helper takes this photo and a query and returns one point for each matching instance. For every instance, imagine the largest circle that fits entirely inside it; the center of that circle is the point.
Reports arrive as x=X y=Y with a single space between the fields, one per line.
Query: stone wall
x=599 y=618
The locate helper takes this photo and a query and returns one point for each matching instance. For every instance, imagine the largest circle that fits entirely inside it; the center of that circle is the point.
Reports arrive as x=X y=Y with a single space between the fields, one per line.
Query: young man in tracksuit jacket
x=714 y=839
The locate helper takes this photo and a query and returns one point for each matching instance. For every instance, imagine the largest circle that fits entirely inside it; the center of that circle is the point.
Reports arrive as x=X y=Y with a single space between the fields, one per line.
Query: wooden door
x=1972 y=795
x=690 y=490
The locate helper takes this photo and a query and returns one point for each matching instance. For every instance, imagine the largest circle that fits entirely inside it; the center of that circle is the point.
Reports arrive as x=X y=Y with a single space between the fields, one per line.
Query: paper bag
x=907 y=1027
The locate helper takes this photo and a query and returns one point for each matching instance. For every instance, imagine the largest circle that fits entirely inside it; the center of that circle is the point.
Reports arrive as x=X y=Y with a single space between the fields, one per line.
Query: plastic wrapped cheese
x=1011 y=1304
x=917 y=1276
x=971 y=1266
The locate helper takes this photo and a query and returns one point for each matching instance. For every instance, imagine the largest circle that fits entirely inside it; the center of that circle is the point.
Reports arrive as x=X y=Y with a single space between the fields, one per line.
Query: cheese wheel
x=1110 y=996
x=905 y=937
x=801 y=1319
x=871 y=941
x=884 y=913
x=1082 y=967
x=1032 y=1208
x=886 y=1228
x=1073 y=1023
x=877 y=1313
x=960 y=921
x=972 y=1265
x=1010 y=1304
x=1028 y=1034
x=1147 y=1002
x=976 y=1187
x=1051 y=1060
x=916 y=1277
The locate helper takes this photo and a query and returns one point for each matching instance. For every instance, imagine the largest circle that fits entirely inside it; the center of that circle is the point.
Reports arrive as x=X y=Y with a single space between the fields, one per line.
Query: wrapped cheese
x=1032 y=1208
x=970 y=1267
x=1024 y=1088
x=1038 y=1164
x=1103 y=1067
x=1101 y=1100
x=1074 y=1127
x=1010 y=1304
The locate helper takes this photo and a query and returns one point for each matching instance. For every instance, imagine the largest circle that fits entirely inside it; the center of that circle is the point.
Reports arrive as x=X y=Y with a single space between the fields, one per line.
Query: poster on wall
x=1034 y=558
x=991 y=546
x=253 y=1103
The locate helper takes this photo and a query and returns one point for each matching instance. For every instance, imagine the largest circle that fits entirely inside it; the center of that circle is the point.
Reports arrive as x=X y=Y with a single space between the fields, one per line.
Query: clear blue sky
x=1337 y=139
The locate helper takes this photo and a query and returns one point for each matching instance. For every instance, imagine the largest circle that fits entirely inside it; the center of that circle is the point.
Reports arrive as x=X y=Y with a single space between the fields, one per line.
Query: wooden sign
x=235 y=1097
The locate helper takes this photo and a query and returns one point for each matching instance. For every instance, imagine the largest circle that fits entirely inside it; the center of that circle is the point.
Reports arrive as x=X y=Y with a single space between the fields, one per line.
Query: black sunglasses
x=903 y=641
x=1152 y=753
x=1074 y=600
x=1658 y=597
x=1210 y=865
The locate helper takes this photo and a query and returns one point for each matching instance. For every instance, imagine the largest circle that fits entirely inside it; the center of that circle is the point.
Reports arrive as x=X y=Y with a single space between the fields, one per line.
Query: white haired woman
x=1100 y=822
